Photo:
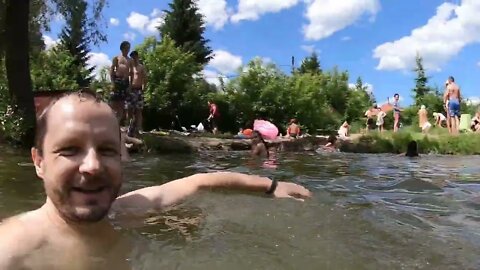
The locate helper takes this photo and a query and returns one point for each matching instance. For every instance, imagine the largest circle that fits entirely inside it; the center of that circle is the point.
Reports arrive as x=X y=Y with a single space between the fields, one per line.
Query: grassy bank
x=438 y=141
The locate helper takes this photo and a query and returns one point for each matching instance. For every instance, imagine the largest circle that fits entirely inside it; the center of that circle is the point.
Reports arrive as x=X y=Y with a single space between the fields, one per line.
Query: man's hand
x=291 y=190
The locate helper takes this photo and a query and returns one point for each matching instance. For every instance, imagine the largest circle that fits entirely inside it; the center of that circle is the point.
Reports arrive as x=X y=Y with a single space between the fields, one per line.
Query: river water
x=367 y=212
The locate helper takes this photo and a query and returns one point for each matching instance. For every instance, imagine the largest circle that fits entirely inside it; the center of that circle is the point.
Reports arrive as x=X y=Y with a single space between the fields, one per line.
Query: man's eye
x=68 y=151
x=108 y=151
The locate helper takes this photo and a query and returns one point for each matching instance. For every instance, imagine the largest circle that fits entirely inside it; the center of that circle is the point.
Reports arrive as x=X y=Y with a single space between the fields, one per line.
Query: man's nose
x=90 y=163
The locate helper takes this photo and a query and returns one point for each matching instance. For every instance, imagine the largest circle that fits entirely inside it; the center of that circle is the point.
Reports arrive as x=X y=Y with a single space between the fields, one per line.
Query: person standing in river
x=77 y=156
x=120 y=76
x=452 y=97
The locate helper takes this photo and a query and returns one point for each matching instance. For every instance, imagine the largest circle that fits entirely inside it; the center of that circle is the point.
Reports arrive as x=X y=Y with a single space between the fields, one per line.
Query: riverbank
x=387 y=142
x=435 y=143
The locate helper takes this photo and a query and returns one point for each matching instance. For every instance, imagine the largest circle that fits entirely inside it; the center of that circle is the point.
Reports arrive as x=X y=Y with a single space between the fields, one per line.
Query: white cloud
x=215 y=12
x=329 y=16
x=59 y=18
x=156 y=13
x=129 y=36
x=308 y=48
x=368 y=86
x=225 y=62
x=99 y=61
x=451 y=29
x=252 y=9
x=144 y=24
x=478 y=64
x=213 y=77
x=346 y=38
x=114 y=21
x=473 y=101
x=50 y=42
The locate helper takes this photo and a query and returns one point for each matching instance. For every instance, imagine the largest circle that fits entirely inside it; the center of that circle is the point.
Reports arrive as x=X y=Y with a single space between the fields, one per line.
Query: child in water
x=259 y=146
x=412 y=149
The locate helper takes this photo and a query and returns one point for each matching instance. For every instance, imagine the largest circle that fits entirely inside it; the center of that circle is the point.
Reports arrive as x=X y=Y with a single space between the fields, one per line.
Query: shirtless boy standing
x=452 y=97
x=121 y=76
x=135 y=98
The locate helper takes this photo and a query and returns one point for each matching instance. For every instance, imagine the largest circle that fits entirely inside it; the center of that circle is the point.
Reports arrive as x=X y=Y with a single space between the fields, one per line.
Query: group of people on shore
x=451 y=100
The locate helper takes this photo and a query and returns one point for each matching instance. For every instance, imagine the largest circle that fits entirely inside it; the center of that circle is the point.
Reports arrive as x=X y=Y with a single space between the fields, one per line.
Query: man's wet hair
x=396 y=94
x=133 y=54
x=450 y=78
x=412 y=149
x=42 y=119
x=124 y=44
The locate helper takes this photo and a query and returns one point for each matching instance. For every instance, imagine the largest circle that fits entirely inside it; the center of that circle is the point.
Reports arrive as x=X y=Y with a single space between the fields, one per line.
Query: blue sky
x=374 y=39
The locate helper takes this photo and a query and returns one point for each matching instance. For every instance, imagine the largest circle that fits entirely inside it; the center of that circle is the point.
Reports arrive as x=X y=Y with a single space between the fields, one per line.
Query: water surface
x=368 y=212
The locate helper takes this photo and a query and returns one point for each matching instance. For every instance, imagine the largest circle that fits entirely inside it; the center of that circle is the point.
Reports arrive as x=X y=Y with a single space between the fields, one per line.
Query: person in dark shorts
x=135 y=97
x=120 y=75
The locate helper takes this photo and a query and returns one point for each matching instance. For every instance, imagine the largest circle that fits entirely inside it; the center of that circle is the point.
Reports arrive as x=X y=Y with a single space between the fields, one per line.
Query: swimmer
x=293 y=129
x=77 y=157
x=331 y=145
x=259 y=146
x=412 y=149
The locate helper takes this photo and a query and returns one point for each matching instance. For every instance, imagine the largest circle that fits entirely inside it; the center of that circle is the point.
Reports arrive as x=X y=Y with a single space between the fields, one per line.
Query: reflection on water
x=368 y=212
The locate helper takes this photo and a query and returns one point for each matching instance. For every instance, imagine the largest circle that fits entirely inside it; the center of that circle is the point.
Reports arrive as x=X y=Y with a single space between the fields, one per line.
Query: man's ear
x=37 y=161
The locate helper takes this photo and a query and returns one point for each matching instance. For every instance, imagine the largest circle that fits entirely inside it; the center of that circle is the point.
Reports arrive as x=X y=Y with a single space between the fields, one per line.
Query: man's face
x=81 y=164
x=126 y=49
x=397 y=97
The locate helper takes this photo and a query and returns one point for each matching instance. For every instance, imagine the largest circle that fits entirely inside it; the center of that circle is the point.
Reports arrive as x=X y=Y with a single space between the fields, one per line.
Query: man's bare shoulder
x=20 y=235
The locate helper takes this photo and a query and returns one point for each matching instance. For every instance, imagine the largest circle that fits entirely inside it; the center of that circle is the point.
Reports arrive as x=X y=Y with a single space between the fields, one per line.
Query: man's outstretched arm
x=171 y=193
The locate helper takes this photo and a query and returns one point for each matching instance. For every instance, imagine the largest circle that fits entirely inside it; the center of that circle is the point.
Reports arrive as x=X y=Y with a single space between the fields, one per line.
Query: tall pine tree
x=310 y=64
x=421 y=81
x=185 y=25
x=75 y=40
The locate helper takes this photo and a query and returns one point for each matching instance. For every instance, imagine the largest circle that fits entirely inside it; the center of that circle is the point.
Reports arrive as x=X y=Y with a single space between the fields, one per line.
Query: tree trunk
x=17 y=64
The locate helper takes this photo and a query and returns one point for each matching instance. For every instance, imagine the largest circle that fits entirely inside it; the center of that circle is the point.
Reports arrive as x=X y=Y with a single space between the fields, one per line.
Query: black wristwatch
x=272 y=188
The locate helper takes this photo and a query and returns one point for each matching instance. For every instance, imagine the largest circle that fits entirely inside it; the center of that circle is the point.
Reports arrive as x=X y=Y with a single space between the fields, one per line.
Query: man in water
x=135 y=97
x=213 y=117
x=77 y=156
x=121 y=75
x=452 y=97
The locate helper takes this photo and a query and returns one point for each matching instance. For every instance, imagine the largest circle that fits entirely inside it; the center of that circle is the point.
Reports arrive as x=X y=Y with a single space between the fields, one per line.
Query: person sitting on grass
x=343 y=130
x=475 y=124
x=293 y=129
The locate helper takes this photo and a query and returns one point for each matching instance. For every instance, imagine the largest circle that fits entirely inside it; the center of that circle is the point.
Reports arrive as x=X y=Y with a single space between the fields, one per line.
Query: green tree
x=359 y=100
x=185 y=25
x=74 y=39
x=310 y=64
x=16 y=17
x=421 y=81
x=170 y=75
x=52 y=70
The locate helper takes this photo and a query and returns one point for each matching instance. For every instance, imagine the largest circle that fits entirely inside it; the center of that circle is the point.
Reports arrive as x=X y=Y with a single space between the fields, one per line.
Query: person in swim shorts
x=452 y=96
x=135 y=100
x=396 y=112
x=120 y=75
x=77 y=156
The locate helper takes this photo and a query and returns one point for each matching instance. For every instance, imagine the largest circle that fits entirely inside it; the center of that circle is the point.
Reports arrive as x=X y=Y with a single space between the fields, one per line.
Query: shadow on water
x=368 y=212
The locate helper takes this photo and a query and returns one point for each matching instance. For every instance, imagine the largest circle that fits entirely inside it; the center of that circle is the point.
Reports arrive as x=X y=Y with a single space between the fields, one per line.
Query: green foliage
x=421 y=81
x=74 y=39
x=185 y=25
x=170 y=76
x=310 y=64
x=441 y=143
x=359 y=101
x=52 y=70
x=12 y=126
